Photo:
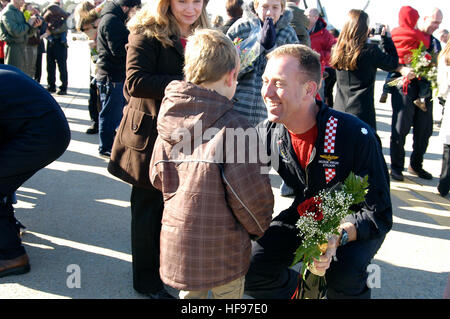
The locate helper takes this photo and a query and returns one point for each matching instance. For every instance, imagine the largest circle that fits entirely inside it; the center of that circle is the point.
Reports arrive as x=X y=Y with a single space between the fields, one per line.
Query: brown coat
x=150 y=68
x=212 y=202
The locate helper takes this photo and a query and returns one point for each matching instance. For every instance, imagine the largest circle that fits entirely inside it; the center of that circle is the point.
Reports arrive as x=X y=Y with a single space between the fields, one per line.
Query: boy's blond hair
x=209 y=55
x=283 y=4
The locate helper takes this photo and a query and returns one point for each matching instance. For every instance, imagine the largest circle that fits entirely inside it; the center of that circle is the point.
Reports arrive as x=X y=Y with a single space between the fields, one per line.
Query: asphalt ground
x=78 y=217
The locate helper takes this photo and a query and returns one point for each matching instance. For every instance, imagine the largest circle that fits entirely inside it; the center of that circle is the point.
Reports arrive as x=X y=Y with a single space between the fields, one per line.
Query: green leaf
x=357 y=187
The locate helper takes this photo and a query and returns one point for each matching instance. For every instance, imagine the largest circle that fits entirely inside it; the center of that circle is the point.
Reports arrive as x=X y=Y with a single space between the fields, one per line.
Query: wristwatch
x=344 y=238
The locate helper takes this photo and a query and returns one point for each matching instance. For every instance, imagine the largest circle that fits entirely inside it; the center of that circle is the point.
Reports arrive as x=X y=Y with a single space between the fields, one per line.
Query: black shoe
x=62 y=92
x=105 y=154
x=420 y=172
x=398 y=176
x=162 y=294
x=93 y=129
x=51 y=89
x=441 y=191
x=17 y=266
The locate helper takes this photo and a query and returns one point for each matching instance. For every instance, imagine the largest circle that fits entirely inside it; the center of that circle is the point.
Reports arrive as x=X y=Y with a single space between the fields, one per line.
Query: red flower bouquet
x=321 y=215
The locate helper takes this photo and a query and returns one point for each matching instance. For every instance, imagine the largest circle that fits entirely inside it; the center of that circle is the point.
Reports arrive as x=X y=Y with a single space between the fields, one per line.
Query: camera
x=377 y=29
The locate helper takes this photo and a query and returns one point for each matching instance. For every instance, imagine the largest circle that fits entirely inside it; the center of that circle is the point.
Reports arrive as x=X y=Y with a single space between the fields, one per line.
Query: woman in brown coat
x=154 y=58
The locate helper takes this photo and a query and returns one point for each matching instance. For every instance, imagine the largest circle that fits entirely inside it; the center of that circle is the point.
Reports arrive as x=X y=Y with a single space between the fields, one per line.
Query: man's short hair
x=313 y=12
x=234 y=8
x=129 y=3
x=209 y=55
x=308 y=60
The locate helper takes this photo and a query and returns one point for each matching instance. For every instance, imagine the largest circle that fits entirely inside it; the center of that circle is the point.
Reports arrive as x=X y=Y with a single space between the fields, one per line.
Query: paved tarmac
x=78 y=217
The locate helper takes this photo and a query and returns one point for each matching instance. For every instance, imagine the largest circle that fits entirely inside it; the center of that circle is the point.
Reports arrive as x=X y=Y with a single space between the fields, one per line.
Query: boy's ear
x=230 y=77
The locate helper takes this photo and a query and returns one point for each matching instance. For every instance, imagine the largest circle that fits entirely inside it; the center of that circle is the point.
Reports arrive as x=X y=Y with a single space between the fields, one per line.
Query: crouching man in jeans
x=316 y=147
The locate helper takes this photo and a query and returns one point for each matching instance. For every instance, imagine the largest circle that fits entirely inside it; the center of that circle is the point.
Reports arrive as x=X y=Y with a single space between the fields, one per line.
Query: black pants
x=147 y=206
x=57 y=55
x=27 y=146
x=330 y=81
x=444 y=180
x=94 y=104
x=270 y=277
x=404 y=115
x=38 y=73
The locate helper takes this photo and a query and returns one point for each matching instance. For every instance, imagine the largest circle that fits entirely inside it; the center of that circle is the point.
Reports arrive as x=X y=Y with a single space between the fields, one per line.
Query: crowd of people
x=23 y=28
x=161 y=72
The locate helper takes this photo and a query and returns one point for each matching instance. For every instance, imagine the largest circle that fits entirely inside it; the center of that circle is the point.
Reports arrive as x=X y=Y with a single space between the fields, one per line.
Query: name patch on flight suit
x=330 y=162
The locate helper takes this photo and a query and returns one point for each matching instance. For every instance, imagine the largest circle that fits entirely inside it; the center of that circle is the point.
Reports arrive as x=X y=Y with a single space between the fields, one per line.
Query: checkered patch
x=330 y=139
x=330 y=173
x=330 y=135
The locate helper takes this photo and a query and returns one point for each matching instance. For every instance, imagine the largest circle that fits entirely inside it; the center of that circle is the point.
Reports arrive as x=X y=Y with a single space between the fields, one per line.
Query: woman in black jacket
x=356 y=62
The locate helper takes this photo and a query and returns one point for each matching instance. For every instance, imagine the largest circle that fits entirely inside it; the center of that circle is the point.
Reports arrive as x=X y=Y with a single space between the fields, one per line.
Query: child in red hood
x=407 y=37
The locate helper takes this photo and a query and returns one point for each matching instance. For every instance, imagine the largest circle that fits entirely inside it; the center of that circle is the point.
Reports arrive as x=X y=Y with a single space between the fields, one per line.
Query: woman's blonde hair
x=155 y=20
x=446 y=52
x=351 y=41
x=209 y=55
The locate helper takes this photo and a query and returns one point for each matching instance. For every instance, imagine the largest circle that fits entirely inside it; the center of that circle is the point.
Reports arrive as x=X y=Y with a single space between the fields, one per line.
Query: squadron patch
x=330 y=162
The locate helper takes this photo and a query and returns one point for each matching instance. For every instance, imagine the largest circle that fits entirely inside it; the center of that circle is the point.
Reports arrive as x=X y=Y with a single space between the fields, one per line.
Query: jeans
x=113 y=102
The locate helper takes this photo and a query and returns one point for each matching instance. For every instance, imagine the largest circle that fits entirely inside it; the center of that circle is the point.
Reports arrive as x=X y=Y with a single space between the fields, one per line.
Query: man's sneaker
x=17 y=266
x=396 y=175
x=93 y=129
x=105 y=154
x=420 y=172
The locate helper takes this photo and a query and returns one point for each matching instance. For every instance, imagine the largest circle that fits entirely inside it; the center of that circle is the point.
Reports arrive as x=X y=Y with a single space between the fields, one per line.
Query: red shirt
x=183 y=42
x=303 y=144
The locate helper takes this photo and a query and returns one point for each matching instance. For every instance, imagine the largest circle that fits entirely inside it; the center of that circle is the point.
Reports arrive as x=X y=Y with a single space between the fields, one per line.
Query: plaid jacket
x=248 y=92
x=213 y=202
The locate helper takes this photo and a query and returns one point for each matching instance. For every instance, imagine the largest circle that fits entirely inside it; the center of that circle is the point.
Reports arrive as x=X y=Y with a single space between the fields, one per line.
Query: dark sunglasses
x=84 y=29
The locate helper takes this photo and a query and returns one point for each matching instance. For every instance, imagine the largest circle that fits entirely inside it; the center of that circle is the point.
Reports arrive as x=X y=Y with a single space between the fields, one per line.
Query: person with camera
x=15 y=30
x=356 y=72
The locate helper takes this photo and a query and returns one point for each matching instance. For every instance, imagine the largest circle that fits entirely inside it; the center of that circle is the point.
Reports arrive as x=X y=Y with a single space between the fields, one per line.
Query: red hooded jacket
x=406 y=37
x=322 y=41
